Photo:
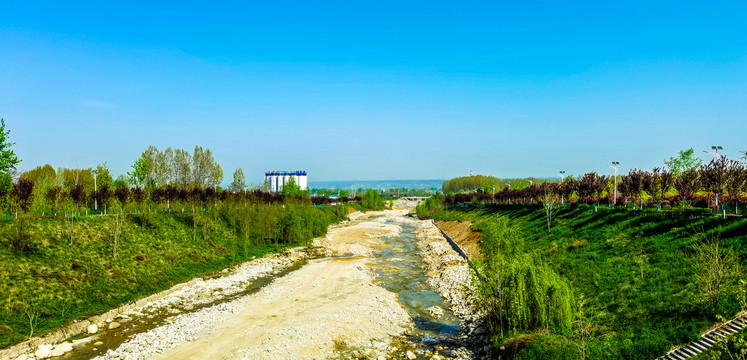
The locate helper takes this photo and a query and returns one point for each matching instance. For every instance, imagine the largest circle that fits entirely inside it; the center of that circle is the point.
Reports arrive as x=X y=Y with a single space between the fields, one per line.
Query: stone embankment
x=450 y=275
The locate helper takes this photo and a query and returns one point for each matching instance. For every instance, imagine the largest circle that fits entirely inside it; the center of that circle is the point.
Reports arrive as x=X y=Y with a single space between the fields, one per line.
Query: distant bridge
x=414 y=198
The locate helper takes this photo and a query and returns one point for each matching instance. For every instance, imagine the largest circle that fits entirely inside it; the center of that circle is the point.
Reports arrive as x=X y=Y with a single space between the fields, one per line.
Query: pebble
x=114 y=325
x=410 y=355
x=93 y=328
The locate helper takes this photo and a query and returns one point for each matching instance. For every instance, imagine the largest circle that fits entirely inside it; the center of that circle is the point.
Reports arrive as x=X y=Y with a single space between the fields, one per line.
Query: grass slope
x=58 y=281
x=633 y=269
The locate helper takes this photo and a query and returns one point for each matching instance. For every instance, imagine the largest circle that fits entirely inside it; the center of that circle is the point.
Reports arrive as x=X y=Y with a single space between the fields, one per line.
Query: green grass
x=59 y=281
x=602 y=254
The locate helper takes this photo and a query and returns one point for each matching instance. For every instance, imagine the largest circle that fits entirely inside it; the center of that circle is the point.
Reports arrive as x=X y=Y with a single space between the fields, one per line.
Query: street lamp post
x=95 y=195
x=509 y=193
x=715 y=149
x=614 y=166
x=562 y=178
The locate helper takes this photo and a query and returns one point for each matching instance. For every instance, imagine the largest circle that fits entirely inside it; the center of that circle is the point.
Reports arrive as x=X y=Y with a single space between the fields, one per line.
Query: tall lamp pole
x=95 y=190
x=715 y=149
x=562 y=178
x=614 y=166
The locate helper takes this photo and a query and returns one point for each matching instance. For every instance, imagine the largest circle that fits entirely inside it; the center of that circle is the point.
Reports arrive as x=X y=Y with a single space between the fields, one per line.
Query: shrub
x=579 y=243
x=19 y=237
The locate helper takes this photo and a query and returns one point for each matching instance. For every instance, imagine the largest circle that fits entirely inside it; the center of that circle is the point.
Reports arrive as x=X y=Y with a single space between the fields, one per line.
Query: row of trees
x=471 y=183
x=25 y=196
x=717 y=182
x=177 y=167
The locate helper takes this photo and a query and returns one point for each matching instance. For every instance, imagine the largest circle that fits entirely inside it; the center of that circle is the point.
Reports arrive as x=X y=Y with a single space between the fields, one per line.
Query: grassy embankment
x=634 y=272
x=58 y=279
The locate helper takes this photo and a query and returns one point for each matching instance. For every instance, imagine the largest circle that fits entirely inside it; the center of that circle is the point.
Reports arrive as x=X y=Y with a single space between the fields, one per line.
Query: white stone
x=410 y=355
x=93 y=328
x=65 y=347
x=22 y=357
x=43 y=353
x=57 y=352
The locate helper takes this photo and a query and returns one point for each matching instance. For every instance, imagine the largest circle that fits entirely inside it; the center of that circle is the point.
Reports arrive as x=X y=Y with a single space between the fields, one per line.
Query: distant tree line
x=720 y=182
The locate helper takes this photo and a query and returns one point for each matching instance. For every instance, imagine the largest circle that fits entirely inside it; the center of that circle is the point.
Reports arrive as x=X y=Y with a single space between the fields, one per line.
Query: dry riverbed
x=321 y=304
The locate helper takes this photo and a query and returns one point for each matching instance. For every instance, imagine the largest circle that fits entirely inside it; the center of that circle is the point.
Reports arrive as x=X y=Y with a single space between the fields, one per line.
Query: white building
x=276 y=179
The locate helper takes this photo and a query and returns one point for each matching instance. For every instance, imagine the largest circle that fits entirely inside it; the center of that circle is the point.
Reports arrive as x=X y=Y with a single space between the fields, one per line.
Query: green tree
x=205 y=170
x=291 y=188
x=685 y=160
x=372 y=200
x=239 y=181
x=139 y=173
x=103 y=176
x=8 y=158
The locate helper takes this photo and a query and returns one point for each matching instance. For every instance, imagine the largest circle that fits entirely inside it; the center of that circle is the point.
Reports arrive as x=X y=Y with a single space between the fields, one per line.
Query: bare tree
x=736 y=179
x=549 y=199
x=687 y=184
x=714 y=175
x=116 y=226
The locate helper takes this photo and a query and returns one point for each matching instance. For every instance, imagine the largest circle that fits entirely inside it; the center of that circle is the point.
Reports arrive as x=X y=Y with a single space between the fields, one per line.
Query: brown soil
x=461 y=232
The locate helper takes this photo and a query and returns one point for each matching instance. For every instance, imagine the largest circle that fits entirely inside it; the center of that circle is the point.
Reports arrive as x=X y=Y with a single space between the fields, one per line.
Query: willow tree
x=519 y=291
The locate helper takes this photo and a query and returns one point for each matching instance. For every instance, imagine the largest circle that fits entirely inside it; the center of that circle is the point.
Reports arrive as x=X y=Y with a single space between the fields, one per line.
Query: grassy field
x=56 y=279
x=633 y=270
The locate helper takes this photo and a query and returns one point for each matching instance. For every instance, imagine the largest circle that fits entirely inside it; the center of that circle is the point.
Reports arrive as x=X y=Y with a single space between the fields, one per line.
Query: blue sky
x=375 y=90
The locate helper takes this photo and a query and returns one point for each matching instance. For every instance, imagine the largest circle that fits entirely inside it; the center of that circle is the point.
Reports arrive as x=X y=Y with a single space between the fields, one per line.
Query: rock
x=435 y=311
x=436 y=357
x=22 y=357
x=93 y=328
x=57 y=352
x=114 y=325
x=410 y=355
x=43 y=353
x=98 y=343
x=382 y=357
x=65 y=347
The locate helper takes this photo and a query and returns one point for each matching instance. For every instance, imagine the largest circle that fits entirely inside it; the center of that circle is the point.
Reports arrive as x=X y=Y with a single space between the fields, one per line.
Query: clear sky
x=368 y=90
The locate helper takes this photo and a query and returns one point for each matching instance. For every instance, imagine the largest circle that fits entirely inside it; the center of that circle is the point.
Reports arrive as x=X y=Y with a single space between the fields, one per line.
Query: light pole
x=562 y=178
x=715 y=149
x=95 y=190
x=614 y=166
x=509 y=193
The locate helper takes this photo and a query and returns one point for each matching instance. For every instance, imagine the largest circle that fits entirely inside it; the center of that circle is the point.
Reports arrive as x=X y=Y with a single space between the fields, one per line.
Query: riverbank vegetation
x=76 y=242
x=638 y=281
x=54 y=269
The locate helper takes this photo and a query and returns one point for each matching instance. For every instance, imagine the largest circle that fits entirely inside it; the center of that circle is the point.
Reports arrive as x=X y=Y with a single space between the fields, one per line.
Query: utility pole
x=614 y=166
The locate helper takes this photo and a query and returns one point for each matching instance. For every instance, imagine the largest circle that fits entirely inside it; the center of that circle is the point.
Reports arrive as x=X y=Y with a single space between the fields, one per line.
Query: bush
x=19 y=237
